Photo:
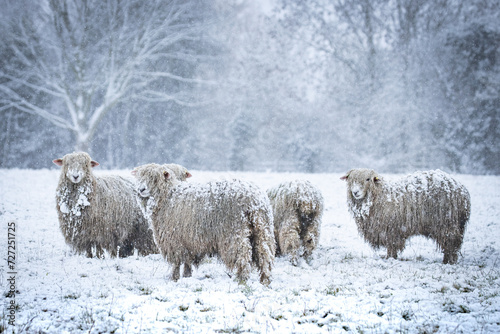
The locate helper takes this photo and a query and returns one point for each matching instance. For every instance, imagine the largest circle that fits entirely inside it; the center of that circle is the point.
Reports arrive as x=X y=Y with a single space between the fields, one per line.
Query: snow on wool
x=297 y=210
x=99 y=213
x=228 y=219
x=431 y=204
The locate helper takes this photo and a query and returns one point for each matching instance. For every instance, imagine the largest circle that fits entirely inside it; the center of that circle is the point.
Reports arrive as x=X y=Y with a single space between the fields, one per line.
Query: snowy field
x=347 y=287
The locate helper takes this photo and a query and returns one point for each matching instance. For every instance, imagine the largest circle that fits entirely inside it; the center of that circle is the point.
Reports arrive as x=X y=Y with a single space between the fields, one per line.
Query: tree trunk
x=81 y=145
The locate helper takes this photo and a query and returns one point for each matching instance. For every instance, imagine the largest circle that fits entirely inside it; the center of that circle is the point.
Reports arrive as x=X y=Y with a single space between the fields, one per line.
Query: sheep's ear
x=188 y=175
x=376 y=179
x=166 y=175
x=344 y=178
x=94 y=163
x=57 y=162
x=133 y=172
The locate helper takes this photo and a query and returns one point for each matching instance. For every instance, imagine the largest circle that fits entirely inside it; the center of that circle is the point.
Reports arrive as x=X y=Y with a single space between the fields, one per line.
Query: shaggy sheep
x=431 y=204
x=297 y=210
x=229 y=219
x=99 y=213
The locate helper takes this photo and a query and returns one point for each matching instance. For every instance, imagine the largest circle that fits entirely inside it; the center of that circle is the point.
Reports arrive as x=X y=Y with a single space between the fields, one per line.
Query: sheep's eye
x=368 y=179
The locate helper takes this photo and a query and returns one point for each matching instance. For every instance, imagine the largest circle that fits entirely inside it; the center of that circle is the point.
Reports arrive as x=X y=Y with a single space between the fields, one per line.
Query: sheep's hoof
x=187 y=271
x=450 y=259
x=265 y=281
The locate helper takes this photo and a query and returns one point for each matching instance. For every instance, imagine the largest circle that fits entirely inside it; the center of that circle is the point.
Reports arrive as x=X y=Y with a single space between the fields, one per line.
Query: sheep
x=297 y=210
x=230 y=219
x=430 y=204
x=99 y=213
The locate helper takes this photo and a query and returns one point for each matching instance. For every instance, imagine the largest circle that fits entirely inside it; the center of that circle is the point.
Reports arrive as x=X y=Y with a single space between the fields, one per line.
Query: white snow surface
x=347 y=287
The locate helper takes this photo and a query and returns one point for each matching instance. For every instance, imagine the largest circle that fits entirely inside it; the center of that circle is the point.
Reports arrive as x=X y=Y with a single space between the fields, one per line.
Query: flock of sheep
x=240 y=224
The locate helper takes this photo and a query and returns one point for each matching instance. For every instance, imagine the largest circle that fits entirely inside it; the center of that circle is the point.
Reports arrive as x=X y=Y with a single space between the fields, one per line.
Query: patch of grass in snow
x=235 y=329
x=276 y=316
x=72 y=296
x=206 y=309
x=332 y=317
x=332 y=290
x=162 y=299
x=427 y=328
x=407 y=314
x=145 y=290
x=251 y=306
x=103 y=295
x=247 y=290
x=87 y=320
x=444 y=289
x=464 y=289
x=451 y=307
x=347 y=258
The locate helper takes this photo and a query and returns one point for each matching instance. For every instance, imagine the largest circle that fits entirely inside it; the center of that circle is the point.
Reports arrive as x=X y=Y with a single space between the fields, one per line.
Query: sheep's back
x=424 y=202
x=298 y=196
x=214 y=210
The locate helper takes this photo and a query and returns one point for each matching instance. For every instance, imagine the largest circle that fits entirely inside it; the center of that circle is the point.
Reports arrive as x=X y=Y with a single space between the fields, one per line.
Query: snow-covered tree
x=73 y=61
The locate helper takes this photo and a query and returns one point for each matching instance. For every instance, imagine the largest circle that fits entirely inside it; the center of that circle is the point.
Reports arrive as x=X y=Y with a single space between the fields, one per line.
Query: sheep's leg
x=451 y=252
x=112 y=252
x=187 y=269
x=289 y=239
x=310 y=238
x=241 y=249
x=89 y=251
x=126 y=249
x=451 y=246
x=391 y=252
x=264 y=248
x=450 y=257
x=395 y=247
x=176 y=271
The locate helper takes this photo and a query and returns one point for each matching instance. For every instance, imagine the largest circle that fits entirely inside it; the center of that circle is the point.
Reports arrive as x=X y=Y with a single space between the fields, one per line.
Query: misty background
x=268 y=85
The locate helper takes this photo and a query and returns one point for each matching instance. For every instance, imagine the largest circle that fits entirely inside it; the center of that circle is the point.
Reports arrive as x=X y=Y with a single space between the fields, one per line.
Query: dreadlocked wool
x=99 y=213
x=297 y=210
x=228 y=219
x=431 y=204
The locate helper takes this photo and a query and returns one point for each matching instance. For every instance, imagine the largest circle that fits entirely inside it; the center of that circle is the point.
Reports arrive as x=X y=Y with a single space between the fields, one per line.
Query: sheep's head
x=152 y=177
x=180 y=172
x=360 y=181
x=76 y=166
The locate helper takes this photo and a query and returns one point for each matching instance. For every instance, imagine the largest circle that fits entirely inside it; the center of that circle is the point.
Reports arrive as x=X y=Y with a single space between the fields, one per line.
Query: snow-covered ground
x=346 y=288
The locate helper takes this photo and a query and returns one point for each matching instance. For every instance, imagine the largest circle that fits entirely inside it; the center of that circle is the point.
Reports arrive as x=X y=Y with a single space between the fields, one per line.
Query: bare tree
x=72 y=61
